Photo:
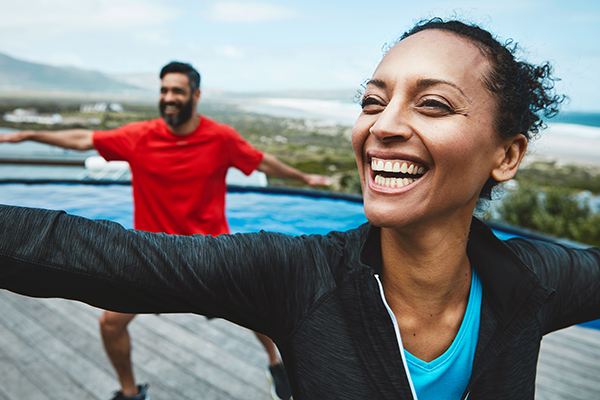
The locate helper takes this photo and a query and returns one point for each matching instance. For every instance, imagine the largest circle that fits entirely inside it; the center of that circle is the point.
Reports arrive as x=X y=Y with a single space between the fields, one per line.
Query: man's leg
x=270 y=348
x=113 y=328
x=280 y=389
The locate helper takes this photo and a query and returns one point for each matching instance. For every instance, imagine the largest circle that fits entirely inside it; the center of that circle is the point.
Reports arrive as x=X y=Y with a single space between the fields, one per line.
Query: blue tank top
x=446 y=377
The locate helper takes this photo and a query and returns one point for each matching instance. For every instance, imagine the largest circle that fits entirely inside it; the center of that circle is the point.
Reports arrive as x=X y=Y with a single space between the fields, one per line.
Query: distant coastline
x=334 y=112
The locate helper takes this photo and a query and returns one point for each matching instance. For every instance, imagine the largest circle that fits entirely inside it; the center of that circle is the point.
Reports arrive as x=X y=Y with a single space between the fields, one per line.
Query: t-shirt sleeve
x=117 y=144
x=243 y=155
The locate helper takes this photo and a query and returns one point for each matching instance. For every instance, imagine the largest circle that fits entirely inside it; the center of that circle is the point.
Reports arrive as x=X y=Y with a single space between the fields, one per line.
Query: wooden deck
x=50 y=349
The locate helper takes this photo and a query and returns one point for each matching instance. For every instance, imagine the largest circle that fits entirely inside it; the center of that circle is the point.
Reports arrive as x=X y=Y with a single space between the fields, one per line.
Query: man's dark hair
x=183 y=68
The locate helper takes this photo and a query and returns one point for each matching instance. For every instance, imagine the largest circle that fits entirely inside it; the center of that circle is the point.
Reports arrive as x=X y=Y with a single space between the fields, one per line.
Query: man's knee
x=112 y=323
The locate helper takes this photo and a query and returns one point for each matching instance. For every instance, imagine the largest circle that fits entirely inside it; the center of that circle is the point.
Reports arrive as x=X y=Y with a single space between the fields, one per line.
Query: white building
x=32 y=116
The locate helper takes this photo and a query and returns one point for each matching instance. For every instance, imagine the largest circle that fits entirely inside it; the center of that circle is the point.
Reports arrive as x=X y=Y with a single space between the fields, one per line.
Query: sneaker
x=280 y=387
x=142 y=395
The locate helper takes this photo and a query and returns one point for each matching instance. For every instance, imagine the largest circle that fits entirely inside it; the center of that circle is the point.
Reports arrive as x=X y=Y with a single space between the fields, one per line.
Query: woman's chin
x=384 y=217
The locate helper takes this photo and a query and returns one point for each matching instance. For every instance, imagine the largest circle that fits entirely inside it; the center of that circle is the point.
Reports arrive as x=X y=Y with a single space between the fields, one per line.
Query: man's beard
x=183 y=116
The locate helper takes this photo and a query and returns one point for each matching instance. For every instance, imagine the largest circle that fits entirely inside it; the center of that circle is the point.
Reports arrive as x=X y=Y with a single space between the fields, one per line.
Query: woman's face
x=424 y=142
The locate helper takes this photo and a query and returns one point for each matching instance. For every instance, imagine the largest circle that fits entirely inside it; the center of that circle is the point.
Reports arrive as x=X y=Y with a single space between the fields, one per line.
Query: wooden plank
x=542 y=393
x=16 y=385
x=164 y=351
x=569 y=365
x=167 y=379
x=247 y=352
x=207 y=361
x=28 y=323
x=231 y=338
x=243 y=344
x=41 y=373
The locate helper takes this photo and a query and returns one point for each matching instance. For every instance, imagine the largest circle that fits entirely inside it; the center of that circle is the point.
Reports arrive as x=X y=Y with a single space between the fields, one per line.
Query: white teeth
x=395 y=167
x=393 y=182
x=389 y=166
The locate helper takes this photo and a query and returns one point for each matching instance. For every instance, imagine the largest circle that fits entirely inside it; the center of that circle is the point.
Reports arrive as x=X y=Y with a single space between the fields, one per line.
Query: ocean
x=578 y=118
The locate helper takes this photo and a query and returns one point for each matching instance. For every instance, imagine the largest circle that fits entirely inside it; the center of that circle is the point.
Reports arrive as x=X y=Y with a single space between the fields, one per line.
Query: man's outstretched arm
x=74 y=139
x=271 y=166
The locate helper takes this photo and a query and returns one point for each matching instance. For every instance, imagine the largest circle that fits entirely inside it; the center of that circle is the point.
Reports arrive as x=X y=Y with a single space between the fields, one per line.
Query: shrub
x=555 y=211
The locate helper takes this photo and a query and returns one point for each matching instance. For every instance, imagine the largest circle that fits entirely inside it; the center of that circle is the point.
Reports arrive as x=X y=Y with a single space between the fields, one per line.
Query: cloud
x=152 y=37
x=62 y=17
x=231 y=11
x=230 y=52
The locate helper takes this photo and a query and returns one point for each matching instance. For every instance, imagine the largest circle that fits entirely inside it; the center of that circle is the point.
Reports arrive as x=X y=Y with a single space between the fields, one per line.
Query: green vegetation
x=554 y=173
x=552 y=210
x=303 y=144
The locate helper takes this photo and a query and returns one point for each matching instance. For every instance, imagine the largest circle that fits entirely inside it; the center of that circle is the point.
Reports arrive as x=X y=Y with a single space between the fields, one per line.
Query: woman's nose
x=393 y=124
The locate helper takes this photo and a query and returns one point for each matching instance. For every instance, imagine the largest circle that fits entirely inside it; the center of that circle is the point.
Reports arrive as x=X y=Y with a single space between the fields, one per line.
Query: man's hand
x=15 y=137
x=317 y=180
x=271 y=166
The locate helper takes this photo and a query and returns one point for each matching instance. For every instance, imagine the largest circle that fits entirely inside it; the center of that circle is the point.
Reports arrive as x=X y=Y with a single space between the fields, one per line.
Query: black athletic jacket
x=316 y=296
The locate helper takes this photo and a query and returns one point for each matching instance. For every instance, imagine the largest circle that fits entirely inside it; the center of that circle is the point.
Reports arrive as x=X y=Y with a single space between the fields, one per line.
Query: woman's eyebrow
x=421 y=84
x=428 y=82
x=377 y=83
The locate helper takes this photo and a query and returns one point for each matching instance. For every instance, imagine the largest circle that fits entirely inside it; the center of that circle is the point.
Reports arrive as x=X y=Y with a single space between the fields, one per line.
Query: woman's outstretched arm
x=249 y=279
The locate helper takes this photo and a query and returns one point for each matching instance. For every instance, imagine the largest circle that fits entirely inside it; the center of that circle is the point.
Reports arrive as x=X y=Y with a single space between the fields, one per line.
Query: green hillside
x=18 y=75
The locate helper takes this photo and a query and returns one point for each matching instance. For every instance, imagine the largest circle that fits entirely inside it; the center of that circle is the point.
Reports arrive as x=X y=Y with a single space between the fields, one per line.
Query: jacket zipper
x=398 y=337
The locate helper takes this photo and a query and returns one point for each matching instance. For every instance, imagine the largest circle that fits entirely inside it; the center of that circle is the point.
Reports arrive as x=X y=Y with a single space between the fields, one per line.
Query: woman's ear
x=514 y=150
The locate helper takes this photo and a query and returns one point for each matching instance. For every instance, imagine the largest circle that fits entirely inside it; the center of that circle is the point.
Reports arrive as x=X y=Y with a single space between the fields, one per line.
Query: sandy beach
x=569 y=143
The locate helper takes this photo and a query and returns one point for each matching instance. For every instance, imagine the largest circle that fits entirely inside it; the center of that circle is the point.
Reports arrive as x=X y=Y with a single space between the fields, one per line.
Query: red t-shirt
x=179 y=181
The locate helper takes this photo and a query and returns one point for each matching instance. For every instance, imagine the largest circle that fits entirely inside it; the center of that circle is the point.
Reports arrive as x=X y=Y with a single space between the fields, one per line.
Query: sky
x=274 y=45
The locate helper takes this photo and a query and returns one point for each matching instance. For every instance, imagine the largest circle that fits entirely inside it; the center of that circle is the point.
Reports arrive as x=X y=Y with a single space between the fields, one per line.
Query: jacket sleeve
x=573 y=273
x=263 y=281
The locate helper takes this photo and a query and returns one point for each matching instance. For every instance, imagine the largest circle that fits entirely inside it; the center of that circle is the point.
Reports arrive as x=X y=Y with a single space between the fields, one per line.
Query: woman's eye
x=432 y=105
x=371 y=104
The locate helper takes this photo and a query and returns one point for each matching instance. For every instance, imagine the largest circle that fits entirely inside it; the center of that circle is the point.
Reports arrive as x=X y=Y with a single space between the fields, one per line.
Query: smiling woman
x=424 y=301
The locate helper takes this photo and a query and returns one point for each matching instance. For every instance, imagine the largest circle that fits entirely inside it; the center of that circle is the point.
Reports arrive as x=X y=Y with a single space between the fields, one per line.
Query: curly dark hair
x=183 y=68
x=522 y=91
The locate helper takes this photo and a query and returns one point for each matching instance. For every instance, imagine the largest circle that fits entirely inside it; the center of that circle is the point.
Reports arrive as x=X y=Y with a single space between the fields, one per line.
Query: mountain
x=18 y=75
x=148 y=81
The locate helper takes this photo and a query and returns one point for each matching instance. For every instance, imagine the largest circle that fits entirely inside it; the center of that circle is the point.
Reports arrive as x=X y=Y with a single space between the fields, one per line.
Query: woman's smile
x=394 y=173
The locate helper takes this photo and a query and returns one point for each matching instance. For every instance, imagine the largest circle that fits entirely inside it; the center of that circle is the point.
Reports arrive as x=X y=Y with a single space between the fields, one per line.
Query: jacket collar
x=507 y=282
